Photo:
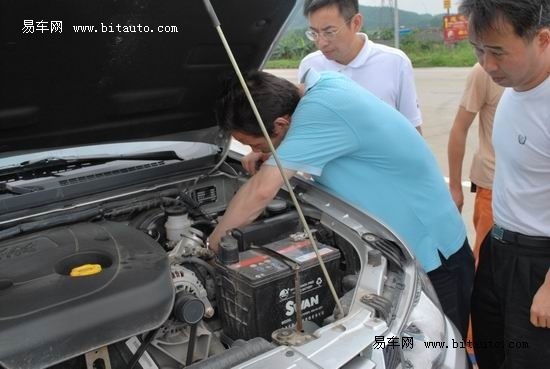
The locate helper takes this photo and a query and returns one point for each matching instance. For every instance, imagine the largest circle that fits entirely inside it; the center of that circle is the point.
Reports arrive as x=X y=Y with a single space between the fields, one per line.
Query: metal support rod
x=298 y=299
x=216 y=23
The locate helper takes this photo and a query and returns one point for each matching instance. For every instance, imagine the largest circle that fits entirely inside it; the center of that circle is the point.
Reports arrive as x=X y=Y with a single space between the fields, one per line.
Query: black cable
x=194 y=206
x=195 y=260
x=191 y=345
x=146 y=342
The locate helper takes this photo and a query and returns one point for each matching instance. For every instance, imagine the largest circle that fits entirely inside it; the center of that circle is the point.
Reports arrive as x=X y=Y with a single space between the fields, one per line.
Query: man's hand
x=249 y=202
x=458 y=197
x=253 y=160
x=540 y=308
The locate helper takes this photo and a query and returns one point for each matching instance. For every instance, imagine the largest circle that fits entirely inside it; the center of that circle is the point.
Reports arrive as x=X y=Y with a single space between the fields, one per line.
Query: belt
x=505 y=235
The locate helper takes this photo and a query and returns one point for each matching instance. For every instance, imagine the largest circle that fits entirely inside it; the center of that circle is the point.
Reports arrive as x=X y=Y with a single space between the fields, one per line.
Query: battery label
x=306 y=304
x=300 y=251
x=312 y=307
x=312 y=255
x=313 y=312
x=306 y=287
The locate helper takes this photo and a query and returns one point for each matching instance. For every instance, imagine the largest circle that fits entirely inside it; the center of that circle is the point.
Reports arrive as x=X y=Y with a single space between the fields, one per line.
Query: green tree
x=294 y=45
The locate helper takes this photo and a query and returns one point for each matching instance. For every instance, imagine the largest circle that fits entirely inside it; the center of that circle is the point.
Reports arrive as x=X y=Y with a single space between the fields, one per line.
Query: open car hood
x=64 y=85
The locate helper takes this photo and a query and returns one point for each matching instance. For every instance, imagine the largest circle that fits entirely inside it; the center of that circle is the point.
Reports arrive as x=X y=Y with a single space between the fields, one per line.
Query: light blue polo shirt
x=369 y=154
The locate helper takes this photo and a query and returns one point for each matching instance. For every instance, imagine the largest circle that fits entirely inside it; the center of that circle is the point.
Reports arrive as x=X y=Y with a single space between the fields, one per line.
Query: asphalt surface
x=439 y=92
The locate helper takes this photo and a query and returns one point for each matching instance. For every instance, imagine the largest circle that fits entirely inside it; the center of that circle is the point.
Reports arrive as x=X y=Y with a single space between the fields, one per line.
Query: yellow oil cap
x=86 y=270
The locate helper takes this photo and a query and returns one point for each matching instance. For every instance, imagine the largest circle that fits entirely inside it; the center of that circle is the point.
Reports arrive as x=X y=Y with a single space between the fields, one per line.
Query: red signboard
x=455 y=28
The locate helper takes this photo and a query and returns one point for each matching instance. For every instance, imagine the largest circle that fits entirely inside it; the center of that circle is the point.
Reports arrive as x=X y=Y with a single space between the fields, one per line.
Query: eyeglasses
x=329 y=34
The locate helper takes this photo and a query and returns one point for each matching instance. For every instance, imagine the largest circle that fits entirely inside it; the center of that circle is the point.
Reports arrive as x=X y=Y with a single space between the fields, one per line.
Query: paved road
x=439 y=91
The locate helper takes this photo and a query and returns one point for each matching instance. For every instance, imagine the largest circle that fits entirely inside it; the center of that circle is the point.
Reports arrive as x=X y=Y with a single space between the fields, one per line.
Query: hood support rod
x=217 y=25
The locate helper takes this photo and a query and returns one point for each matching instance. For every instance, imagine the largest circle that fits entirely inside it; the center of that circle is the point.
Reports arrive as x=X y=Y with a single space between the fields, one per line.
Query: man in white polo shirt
x=511 y=297
x=386 y=72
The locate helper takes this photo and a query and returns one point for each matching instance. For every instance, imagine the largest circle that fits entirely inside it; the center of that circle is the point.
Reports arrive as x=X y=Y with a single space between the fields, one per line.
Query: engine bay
x=142 y=284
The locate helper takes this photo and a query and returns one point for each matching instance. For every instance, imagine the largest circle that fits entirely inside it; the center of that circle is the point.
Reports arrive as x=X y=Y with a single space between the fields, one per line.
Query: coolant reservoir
x=176 y=223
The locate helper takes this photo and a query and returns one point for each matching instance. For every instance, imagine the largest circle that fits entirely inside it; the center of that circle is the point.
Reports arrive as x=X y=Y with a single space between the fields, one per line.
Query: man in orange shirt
x=481 y=95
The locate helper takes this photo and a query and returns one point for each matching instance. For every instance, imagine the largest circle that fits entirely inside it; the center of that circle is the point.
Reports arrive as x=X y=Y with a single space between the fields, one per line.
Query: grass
x=433 y=54
x=282 y=63
x=423 y=54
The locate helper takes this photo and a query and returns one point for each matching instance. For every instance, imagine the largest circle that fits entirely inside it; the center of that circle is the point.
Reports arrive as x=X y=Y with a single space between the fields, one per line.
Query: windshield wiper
x=50 y=166
x=17 y=190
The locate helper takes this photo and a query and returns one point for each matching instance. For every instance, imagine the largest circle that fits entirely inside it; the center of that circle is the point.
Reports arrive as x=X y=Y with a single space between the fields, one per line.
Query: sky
x=418 y=6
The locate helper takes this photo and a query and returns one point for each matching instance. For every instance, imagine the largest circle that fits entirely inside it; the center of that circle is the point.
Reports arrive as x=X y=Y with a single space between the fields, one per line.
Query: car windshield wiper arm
x=16 y=190
x=48 y=166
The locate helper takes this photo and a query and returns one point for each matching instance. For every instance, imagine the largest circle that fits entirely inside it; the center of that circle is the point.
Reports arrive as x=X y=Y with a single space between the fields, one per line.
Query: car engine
x=142 y=265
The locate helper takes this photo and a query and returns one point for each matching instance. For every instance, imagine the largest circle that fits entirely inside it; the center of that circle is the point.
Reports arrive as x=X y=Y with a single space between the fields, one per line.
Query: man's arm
x=540 y=308
x=455 y=151
x=249 y=201
x=407 y=101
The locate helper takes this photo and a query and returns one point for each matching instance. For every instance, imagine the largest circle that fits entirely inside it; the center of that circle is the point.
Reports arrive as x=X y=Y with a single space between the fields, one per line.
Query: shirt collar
x=310 y=78
x=361 y=58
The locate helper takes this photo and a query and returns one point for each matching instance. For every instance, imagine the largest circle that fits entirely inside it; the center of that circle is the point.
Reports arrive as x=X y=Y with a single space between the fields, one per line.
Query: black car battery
x=256 y=295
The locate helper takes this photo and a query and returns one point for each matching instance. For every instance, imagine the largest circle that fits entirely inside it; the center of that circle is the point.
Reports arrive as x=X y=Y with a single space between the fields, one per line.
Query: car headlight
x=423 y=342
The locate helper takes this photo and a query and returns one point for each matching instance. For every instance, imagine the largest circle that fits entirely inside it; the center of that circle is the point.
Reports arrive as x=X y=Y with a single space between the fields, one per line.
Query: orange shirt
x=481 y=95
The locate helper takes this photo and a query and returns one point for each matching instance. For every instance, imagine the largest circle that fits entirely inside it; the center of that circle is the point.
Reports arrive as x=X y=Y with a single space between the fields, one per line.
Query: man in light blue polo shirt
x=338 y=132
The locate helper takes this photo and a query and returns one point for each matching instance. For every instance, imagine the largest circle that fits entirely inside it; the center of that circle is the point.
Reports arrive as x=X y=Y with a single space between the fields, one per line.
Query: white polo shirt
x=384 y=71
x=521 y=138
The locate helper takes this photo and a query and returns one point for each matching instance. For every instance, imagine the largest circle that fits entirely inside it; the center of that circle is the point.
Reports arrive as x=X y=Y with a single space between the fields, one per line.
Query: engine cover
x=47 y=316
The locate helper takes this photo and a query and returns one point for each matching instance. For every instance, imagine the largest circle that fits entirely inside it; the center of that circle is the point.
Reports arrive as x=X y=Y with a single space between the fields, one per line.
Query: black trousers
x=453 y=282
x=508 y=276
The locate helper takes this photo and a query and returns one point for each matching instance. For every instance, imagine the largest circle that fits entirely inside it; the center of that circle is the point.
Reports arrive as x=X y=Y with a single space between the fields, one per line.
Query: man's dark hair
x=348 y=8
x=274 y=98
x=525 y=16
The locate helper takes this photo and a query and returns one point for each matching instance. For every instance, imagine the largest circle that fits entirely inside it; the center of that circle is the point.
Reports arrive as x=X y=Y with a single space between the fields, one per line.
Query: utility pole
x=395 y=24
x=393 y=4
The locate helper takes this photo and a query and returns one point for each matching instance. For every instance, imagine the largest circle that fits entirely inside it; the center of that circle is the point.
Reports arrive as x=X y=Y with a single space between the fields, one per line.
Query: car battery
x=256 y=295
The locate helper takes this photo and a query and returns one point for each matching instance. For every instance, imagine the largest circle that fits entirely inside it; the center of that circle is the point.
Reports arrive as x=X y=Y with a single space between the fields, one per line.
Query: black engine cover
x=47 y=316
